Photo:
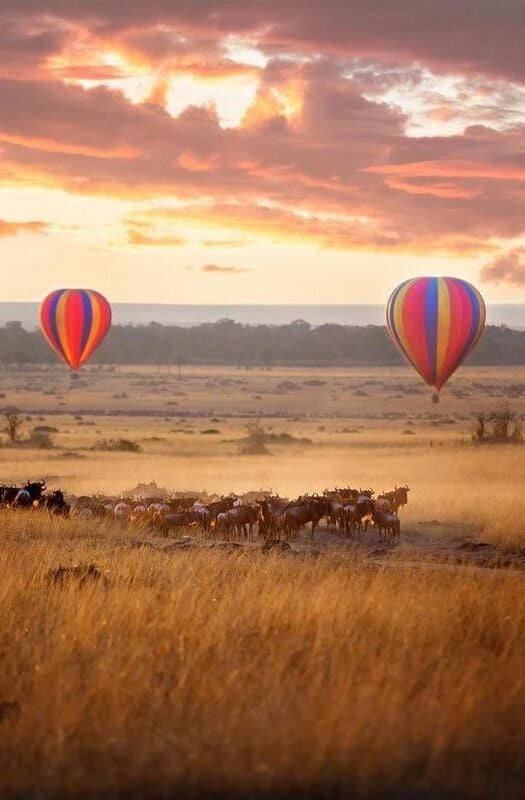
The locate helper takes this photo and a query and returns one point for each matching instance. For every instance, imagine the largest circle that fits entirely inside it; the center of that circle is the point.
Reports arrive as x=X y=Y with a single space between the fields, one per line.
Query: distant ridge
x=512 y=315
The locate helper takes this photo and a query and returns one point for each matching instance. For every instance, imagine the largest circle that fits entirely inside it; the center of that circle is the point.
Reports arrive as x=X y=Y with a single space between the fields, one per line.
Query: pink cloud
x=314 y=159
x=14 y=228
x=508 y=269
x=217 y=268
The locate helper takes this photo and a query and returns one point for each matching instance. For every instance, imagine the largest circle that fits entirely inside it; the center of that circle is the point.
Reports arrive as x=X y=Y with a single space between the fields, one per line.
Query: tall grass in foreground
x=205 y=672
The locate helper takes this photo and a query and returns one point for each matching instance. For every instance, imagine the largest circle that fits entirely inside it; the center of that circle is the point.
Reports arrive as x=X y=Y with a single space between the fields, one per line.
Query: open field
x=335 y=669
x=360 y=427
x=241 y=674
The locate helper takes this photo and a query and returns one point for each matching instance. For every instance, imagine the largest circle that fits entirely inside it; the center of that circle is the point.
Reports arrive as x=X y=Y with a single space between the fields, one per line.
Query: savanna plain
x=338 y=668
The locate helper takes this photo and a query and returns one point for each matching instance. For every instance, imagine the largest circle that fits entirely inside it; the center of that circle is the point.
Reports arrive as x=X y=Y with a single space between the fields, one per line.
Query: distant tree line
x=229 y=342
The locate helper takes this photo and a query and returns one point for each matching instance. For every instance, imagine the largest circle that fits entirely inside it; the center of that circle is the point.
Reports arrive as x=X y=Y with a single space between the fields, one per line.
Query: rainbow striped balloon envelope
x=75 y=322
x=436 y=323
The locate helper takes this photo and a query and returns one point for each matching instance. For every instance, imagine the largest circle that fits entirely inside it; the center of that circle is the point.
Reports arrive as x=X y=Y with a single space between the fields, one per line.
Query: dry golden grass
x=205 y=672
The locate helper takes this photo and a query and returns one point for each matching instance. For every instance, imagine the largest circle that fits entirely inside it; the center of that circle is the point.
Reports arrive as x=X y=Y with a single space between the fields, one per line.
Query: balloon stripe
x=431 y=326
x=60 y=320
x=443 y=325
x=461 y=321
x=415 y=327
x=105 y=313
x=96 y=333
x=391 y=314
x=47 y=324
x=399 y=326
x=75 y=325
x=87 y=307
x=482 y=319
x=54 y=325
x=455 y=334
x=476 y=317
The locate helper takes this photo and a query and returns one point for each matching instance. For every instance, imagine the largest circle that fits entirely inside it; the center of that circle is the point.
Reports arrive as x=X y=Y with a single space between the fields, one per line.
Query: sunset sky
x=255 y=151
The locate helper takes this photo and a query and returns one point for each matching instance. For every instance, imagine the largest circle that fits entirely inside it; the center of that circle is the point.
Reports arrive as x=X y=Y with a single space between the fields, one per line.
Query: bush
x=118 y=445
x=41 y=440
x=505 y=423
x=255 y=442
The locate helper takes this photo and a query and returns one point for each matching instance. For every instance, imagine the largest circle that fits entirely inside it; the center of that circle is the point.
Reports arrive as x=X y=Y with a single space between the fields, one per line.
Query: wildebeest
x=396 y=498
x=56 y=503
x=22 y=497
x=122 y=511
x=239 y=519
x=271 y=516
x=302 y=511
x=8 y=494
x=388 y=524
x=177 y=521
x=356 y=515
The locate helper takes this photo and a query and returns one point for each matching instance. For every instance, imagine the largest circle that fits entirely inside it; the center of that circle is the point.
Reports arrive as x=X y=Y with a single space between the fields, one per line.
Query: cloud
x=217 y=268
x=138 y=238
x=508 y=268
x=14 y=228
x=193 y=163
x=453 y=35
x=321 y=157
x=457 y=169
x=224 y=242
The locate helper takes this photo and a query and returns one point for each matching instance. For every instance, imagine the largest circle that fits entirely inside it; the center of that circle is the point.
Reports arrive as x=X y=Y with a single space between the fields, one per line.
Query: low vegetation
x=117 y=445
x=499 y=426
x=216 y=673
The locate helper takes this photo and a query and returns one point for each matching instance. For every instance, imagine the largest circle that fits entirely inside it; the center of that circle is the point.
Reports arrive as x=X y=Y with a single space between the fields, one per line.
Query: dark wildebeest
x=56 y=503
x=179 y=504
x=302 y=511
x=365 y=506
x=30 y=495
x=271 y=516
x=8 y=494
x=220 y=507
x=240 y=519
x=202 y=516
x=397 y=498
x=388 y=524
x=171 y=521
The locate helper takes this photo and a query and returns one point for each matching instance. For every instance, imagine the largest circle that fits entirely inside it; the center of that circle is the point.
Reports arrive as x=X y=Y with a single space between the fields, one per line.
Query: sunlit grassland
x=225 y=672
x=231 y=673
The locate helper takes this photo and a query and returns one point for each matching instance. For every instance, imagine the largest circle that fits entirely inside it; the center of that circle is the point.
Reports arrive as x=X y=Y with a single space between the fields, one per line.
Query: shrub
x=254 y=444
x=505 y=423
x=44 y=429
x=13 y=423
x=118 y=445
x=42 y=441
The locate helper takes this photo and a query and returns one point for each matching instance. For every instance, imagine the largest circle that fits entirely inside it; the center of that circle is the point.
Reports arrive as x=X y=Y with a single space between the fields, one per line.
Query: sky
x=255 y=151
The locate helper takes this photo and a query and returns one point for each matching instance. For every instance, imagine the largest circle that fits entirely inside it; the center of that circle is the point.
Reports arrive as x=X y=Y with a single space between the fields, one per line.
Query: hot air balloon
x=74 y=322
x=436 y=323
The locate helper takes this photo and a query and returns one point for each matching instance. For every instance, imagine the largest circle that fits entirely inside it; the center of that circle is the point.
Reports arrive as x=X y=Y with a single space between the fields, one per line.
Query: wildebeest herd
x=264 y=515
x=33 y=495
